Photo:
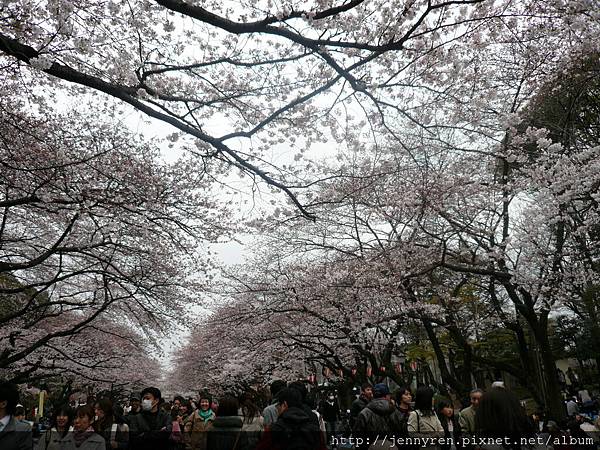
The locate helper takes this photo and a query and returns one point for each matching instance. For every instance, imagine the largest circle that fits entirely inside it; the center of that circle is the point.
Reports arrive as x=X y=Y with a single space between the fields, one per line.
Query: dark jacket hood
x=381 y=406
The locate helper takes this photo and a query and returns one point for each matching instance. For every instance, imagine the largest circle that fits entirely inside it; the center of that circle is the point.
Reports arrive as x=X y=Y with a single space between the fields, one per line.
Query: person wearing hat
x=379 y=418
x=150 y=429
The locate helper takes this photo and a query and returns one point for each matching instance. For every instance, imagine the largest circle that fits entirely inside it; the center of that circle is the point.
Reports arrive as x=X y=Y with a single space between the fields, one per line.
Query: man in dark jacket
x=366 y=395
x=294 y=429
x=14 y=434
x=379 y=418
x=150 y=429
x=330 y=411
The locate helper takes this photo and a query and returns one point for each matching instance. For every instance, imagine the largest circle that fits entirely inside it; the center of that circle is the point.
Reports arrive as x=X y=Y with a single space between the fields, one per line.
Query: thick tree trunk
x=538 y=324
x=554 y=401
x=460 y=388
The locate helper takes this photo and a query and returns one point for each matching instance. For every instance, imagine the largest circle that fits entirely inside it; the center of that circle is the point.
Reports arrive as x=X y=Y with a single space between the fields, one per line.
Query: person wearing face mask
x=330 y=411
x=198 y=423
x=150 y=429
x=83 y=436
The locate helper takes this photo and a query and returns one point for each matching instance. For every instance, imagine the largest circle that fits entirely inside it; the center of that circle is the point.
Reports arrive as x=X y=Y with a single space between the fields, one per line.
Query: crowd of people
x=294 y=420
x=492 y=415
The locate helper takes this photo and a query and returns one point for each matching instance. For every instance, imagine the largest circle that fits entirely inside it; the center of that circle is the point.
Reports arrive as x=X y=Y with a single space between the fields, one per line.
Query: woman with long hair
x=226 y=431
x=500 y=415
x=449 y=421
x=60 y=425
x=423 y=422
x=115 y=434
x=253 y=420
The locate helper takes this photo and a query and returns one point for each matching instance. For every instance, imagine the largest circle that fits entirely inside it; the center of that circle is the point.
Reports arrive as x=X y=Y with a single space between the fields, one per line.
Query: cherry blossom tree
x=97 y=236
x=435 y=187
x=239 y=79
x=566 y=173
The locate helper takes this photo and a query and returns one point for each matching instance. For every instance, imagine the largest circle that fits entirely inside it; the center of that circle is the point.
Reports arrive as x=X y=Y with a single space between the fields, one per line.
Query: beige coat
x=466 y=419
x=195 y=428
x=421 y=426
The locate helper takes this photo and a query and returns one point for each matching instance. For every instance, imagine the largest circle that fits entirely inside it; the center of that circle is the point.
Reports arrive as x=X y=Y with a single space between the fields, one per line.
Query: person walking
x=309 y=408
x=14 y=435
x=404 y=399
x=423 y=421
x=150 y=429
x=252 y=420
x=60 y=424
x=294 y=429
x=135 y=407
x=330 y=411
x=379 y=418
x=83 y=437
x=177 y=429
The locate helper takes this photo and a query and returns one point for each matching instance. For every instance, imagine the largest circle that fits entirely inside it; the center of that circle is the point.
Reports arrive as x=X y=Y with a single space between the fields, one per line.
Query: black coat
x=379 y=418
x=150 y=431
x=357 y=406
x=296 y=430
x=329 y=411
x=226 y=434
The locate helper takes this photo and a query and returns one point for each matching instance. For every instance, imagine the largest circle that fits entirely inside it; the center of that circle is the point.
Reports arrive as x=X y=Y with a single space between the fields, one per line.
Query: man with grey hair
x=466 y=419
